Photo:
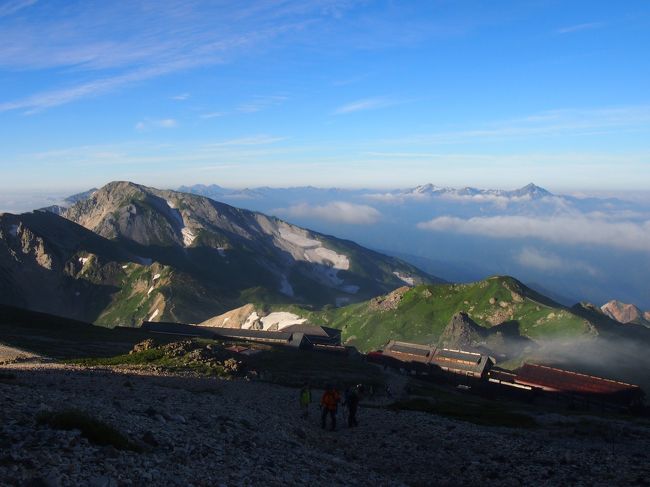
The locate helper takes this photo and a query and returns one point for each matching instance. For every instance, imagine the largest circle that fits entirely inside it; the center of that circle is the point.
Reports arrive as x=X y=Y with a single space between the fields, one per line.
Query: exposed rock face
x=235 y=318
x=462 y=331
x=390 y=301
x=625 y=313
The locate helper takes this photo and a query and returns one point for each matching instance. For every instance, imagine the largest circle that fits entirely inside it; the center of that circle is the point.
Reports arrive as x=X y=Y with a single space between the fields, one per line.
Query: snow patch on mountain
x=153 y=315
x=404 y=278
x=251 y=320
x=282 y=319
x=188 y=236
x=297 y=239
x=338 y=261
x=302 y=247
x=83 y=260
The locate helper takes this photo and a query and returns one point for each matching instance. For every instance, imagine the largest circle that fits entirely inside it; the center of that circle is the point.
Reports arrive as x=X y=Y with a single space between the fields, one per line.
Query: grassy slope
x=425 y=311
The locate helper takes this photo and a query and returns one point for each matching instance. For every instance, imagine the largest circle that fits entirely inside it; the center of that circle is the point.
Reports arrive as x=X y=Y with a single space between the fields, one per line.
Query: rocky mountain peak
x=624 y=312
x=462 y=331
x=531 y=190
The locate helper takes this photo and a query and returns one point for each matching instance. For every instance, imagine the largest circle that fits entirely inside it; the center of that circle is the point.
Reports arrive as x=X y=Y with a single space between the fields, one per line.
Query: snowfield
x=276 y=320
x=407 y=279
x=329 y=262
x=188 y=235
x=282 y=319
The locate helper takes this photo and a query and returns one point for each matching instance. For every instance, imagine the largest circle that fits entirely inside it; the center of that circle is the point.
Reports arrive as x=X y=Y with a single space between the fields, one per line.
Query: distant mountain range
x=126 y=252
x=577 y=247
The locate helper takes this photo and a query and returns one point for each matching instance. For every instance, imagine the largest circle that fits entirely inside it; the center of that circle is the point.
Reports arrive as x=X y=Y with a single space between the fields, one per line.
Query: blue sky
x=325 y=93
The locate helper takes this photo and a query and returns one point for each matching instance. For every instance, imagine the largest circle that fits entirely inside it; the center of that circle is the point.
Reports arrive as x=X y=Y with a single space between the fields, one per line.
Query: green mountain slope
x=421 y=314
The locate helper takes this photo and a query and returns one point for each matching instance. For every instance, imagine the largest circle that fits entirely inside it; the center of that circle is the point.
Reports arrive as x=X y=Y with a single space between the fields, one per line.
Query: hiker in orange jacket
x=329 y=403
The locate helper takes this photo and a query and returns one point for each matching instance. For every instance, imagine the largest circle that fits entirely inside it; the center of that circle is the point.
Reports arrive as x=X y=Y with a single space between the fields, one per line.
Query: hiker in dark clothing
x=329 y=404
x=352 y=403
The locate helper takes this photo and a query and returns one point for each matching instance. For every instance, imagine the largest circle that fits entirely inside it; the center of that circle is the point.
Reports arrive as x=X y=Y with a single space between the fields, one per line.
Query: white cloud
x=579 y=27
x=336 y=211
x=80 y=41
x=549 y=262
x=181 y=97
x=148 y=124
x=571 y=230
x=365 y=104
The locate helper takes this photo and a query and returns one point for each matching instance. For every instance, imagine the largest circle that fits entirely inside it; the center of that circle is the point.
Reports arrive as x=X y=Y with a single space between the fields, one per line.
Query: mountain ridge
x=181 y=257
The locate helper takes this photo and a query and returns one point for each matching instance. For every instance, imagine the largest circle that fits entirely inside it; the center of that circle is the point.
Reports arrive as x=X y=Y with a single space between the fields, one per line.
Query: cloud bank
x=336 y=211
x=549 y=262
x=561 y=229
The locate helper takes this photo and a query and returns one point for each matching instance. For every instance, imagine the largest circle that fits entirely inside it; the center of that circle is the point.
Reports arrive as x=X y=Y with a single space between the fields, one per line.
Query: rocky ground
x=204 y=432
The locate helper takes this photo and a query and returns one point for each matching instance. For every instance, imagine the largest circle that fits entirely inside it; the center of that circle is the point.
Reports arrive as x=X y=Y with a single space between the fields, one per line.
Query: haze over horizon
x=324 y=93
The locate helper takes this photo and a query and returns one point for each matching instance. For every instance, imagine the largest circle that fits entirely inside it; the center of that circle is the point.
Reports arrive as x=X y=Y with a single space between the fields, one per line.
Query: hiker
x=305 y=400
x=329 y=404
x=352 y=403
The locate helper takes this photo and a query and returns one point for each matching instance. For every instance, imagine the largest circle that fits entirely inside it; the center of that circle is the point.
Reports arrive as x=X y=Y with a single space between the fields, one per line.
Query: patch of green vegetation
x=424 y=311
x=130 y=307
x=94 y=430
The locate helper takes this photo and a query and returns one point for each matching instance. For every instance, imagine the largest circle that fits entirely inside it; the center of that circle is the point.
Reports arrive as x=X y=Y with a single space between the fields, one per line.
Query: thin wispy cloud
x=12 y=6
x=149 y=124
x=253 y=140
x=551 y=123
x=363 y=105
x=212 y=115
x=578 y=27
x=259 y=103
x=80 y=43
x=181 y=97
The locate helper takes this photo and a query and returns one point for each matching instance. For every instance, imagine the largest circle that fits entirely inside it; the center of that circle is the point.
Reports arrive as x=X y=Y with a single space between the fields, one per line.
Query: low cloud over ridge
x=560 y=229
x=549 y=262
x=335 y=211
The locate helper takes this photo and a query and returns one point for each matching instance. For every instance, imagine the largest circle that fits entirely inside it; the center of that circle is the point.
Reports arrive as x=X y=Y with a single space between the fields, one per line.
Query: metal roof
x=446 y=353
x=409 y=348
x=567 y=381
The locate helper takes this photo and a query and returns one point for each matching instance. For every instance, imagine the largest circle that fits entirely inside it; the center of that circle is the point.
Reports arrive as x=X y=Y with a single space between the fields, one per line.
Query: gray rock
x=102 y=481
